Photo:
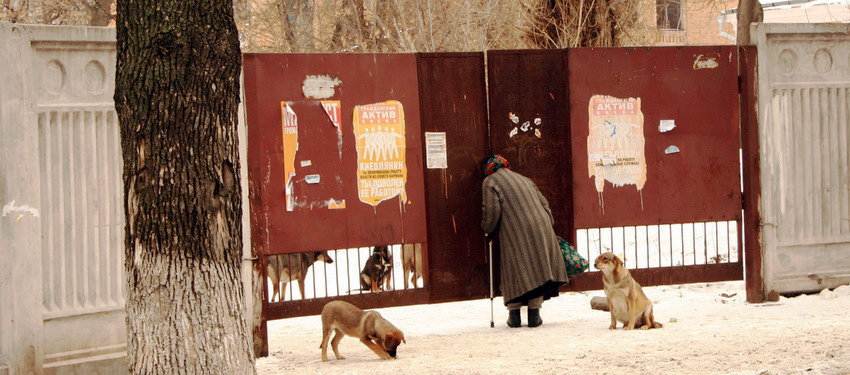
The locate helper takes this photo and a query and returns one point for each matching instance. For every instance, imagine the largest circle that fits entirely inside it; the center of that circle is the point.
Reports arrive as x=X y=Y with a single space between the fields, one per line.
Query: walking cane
x=490 y=246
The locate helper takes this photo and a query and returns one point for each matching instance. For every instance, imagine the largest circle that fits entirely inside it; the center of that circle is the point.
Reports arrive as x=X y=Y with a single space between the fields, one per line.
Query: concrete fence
x=62 y=225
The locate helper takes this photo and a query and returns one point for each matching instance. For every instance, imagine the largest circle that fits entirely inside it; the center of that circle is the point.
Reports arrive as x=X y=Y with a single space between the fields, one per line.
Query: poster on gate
x=381 y=162
x=290 y=147
x=615 y=143
x=334 y=111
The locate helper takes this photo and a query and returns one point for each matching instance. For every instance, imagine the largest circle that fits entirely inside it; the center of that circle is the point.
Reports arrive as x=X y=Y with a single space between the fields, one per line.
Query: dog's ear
x=617 y=261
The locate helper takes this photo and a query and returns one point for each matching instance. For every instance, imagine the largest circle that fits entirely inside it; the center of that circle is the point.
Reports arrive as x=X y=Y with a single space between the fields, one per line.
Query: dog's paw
x=645 y=327
x=613 y=326
x=339 y=358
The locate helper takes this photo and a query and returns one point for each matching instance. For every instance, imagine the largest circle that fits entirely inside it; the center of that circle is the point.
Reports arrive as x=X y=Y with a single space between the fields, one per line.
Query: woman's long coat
x=530 y=255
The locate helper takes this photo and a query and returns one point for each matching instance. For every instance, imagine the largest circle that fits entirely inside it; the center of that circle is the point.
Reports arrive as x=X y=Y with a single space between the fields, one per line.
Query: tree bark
x=176 y=96
x=749 y=11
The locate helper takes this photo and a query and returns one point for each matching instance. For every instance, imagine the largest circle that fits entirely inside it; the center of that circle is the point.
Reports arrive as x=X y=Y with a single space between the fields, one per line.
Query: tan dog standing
x=411 y=263
x=286 y=268
x=626 y=300
x=373 y=330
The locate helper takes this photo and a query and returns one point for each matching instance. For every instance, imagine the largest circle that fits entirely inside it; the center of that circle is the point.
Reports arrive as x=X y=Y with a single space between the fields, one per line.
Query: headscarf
x=495 y=162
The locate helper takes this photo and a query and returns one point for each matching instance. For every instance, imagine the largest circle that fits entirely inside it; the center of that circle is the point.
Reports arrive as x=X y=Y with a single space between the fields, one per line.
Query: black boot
x=514 y=319
x=534 y=319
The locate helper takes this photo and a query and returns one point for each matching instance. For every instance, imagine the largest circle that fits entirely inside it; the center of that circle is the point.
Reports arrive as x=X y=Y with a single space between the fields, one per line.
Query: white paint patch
x=11 y=208
x=705 y=62
x=666 y=125
x=513 y=132
x=306 y=163
x=137 y=253
x=313 y=178
x=319 y=86
x=671 y=150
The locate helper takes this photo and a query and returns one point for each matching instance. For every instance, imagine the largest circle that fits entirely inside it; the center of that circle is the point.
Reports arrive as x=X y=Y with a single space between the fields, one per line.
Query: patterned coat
x=530 y=256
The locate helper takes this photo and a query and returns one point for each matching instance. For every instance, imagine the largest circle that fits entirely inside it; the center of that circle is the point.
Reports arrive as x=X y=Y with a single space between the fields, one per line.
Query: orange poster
x=615 y=143
x=381 y=162
x=290 y=147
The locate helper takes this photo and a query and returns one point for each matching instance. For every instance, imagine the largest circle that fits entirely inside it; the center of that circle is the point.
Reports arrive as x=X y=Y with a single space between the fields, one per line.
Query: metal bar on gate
x=348 y=269
x=634 y=235
x=682 y=242
x=728 y=244
x=625 y=253
x=705 y=242
x=336 y=272
x=670 y=241
x=360 y=290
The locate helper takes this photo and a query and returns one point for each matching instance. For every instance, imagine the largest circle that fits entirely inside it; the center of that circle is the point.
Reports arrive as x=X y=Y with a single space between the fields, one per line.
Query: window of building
x=669 y=14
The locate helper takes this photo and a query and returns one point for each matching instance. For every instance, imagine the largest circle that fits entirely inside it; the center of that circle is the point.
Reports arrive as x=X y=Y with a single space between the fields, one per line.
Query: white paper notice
x=666 y=125
x=435 y=150
x=313 y=178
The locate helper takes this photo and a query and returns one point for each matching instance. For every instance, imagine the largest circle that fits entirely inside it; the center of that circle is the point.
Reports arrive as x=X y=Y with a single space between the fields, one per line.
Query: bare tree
x=58 y=12
x=176 y=96
x=587 y=23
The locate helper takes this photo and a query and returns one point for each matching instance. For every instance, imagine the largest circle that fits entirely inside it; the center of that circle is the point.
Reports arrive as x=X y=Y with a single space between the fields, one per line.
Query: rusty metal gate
x=636 y=149
x=690 y=189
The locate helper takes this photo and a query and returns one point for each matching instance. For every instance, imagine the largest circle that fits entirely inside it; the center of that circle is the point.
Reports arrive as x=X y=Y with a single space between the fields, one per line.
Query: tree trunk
x=749 y=11
x=176 y=96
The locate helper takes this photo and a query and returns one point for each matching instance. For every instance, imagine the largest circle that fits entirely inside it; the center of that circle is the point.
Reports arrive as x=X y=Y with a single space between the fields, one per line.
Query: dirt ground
x=704 y=333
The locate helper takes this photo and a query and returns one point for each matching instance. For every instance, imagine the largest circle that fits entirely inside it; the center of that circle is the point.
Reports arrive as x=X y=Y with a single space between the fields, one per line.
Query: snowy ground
x=704 y=333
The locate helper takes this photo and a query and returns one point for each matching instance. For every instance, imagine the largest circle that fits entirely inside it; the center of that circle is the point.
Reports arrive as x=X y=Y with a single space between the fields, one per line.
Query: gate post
x=21 y=349
x=748 y=62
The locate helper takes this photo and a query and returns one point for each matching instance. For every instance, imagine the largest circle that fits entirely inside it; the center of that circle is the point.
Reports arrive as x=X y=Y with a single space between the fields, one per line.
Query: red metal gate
x=688 y=99
x=547 y=114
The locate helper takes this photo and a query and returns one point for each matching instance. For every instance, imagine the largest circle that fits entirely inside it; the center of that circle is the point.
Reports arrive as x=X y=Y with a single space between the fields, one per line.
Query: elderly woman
x=532 y=267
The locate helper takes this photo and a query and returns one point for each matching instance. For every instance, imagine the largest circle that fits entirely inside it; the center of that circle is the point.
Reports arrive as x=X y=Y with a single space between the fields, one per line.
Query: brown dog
x=411 y=263
x=373 y=330
x=626 y=300
x=286 y=268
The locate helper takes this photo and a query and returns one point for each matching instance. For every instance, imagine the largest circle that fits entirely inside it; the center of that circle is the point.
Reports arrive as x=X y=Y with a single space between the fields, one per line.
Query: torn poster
x=319 y=86
x=435 y=150
x=290 y=147
x=334 y=111
x=615 y=143
x=381 y=162
x=336 y=204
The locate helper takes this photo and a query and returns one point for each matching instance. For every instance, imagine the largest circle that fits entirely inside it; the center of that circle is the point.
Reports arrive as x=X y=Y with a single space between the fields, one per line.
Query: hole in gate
x=339 y=272
x=665 y=245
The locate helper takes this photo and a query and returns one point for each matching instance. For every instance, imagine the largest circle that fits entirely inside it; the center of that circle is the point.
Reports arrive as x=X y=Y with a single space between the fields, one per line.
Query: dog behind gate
x=285 y=268
x=378 y=270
